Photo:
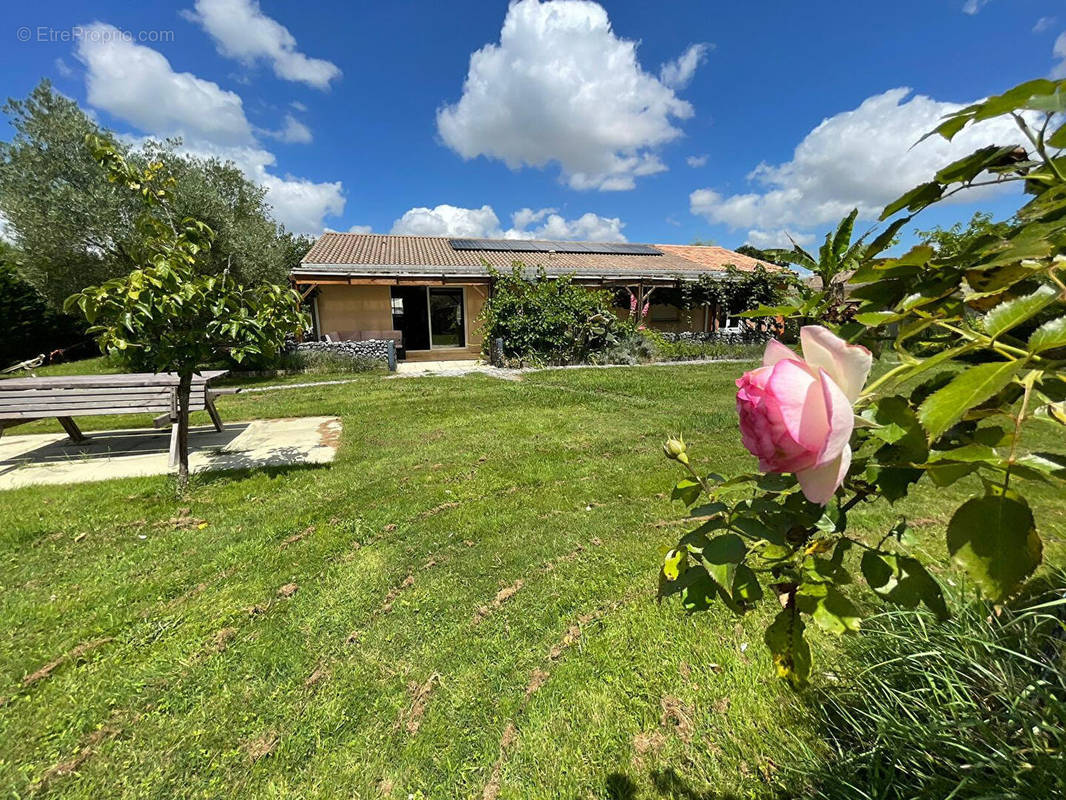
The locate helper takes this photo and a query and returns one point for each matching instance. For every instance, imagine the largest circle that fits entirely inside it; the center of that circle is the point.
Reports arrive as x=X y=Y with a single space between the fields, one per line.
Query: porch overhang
x=399 y=275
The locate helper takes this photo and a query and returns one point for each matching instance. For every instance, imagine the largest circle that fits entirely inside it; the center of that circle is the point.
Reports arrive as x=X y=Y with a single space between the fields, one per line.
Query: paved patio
x=51 y=458
x=458 y=367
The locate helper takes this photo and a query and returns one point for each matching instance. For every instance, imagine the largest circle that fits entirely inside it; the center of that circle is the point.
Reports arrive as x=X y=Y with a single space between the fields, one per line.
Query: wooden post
x=392 y=355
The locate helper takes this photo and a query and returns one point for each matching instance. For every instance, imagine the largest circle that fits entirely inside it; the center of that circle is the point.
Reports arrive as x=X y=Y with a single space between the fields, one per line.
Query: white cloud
x=696 y=161
x=299 y=204
x=971 y=7
x=1059 y=52
x=765 y=240
x=298 y=105
x=1043 y=24
x=860 y=158
x=63 y=68
x=138 y=84
x=446 y=220
x=361 y=229
x=243 y=32
x=586 y=228
x=562 y=87
x=293 y=132
x=677 y=73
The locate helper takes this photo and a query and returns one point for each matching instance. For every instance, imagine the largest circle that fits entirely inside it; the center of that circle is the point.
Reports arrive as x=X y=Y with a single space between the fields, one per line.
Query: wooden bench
x=27 y=399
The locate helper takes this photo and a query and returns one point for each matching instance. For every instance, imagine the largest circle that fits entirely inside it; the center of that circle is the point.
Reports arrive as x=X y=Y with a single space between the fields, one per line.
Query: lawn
x=461 y=605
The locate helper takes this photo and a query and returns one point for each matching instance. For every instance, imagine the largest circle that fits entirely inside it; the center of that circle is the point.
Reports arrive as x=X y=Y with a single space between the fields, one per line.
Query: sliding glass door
x=446 y=323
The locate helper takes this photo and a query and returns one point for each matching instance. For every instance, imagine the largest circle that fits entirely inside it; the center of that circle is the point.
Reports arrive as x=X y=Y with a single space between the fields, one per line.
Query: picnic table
x=64 y=397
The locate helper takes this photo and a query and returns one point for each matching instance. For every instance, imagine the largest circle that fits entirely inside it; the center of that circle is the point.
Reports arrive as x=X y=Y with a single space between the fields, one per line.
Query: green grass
x=909 y=687
x=363 y=683
x=99 y=365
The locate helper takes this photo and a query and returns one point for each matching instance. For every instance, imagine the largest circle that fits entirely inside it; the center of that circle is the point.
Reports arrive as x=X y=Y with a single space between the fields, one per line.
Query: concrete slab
x=457 y=367
x=51 y=458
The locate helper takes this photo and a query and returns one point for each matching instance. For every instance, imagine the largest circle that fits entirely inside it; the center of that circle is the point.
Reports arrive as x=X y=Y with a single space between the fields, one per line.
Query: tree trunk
x=184 y=390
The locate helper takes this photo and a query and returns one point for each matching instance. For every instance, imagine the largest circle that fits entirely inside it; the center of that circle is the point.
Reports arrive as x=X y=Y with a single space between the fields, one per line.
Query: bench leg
x=209 y=404
x=72 y=429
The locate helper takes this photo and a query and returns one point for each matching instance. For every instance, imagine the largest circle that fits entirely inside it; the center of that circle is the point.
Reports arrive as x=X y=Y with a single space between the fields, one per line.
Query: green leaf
x=969 y=167
x=918 y=197
x=1053 y=413
x=790 y=651
x=834 y=613
x=757 y=529
x=842 y=237
x=894 y=481
x=901 y=429
x=884 y=239
x=1048 y=336
x=874 y=318
x=686 y=490
x=708 y=510
x=944 y=407
x=945 y=474
x=746 y=587
x=1053 y=464
x=1022 y=96
x=903 y=581
x=968 y=453
x=1058 y=138
x=674 y=564
x=994 y=539
x=720 y=558
x=1014 y=312
x=767 y=311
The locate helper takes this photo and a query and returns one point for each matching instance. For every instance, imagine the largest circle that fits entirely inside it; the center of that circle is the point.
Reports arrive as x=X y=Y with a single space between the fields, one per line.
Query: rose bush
x=796 y=413
x=974 y=346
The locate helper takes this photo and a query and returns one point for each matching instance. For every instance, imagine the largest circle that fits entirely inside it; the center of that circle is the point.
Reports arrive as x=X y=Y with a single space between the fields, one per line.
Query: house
x=428 y=291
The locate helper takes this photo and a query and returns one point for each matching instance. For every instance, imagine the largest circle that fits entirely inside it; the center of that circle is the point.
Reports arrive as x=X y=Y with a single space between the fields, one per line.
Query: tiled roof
x=377 y=252
x=714 y=257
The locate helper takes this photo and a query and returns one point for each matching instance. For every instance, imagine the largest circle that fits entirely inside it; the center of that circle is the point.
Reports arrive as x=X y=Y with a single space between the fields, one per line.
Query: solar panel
x=534 y=246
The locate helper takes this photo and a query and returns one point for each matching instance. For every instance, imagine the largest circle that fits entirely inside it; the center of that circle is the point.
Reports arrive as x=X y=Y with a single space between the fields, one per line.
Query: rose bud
x=675 y=449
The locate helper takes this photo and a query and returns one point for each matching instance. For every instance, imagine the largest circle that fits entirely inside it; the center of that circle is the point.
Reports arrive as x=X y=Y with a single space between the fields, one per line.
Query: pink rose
x=796 y=413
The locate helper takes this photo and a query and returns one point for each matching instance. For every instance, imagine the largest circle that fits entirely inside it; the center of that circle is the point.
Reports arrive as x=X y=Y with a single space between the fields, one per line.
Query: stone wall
x=375 y=349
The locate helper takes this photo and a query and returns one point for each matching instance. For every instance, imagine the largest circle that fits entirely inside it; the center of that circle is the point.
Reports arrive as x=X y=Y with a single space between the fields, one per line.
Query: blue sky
x=656 y=122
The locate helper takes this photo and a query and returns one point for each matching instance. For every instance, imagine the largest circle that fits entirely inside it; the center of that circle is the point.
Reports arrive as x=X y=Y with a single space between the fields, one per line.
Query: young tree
x=979 y=338
x=954 y=241
x=176 y=317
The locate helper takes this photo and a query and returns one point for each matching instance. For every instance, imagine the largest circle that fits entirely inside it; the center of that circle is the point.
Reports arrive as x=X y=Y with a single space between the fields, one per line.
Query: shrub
x=544 y=320
x=679 y=348
x=316 y=362
x=632 y=347
x=972 y=707
x=31 y=327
